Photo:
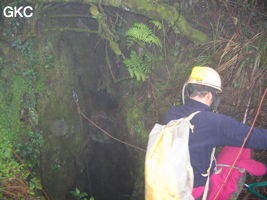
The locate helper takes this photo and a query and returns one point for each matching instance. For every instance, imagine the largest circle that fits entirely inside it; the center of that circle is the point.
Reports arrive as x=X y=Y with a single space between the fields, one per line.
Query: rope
x=104 y=131
x=251 y=189
x=244 y=142
x=109 y=135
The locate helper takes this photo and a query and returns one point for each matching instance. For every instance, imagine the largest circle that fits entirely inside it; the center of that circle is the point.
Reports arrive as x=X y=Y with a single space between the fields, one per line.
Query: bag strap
x=212 y=158
x=189 y=118
x=192 y=115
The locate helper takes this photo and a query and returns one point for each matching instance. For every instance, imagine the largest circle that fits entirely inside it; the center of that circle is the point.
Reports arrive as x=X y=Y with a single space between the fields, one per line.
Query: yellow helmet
x=207 y=76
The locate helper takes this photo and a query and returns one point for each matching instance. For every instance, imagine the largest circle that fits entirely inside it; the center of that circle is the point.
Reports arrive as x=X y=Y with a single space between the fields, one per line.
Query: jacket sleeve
x=231 y=132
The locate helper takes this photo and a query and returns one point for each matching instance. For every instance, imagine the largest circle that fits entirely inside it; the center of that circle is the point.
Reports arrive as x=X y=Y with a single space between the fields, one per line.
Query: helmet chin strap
x=215 y=102
x=183 y=93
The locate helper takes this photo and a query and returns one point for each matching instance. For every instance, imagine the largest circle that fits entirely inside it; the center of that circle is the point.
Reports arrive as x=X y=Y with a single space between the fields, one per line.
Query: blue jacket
x=211 y=130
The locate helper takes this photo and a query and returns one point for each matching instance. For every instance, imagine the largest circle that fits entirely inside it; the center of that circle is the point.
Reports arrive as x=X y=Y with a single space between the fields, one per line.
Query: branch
x=160 y=11
x=69 y=15
x=80 y=30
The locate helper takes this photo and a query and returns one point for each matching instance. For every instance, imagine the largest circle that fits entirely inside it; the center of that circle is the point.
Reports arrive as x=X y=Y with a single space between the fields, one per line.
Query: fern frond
x=136 y=67
x=156 y=23
x=141 y=32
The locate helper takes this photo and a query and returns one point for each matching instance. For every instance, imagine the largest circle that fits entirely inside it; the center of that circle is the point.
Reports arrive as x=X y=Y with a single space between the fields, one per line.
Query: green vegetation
x=141 y=34
x=158 y=57
x=135 y=121
x=137 y=67
x=21 y=84
x=81 y=195
x=141 y=37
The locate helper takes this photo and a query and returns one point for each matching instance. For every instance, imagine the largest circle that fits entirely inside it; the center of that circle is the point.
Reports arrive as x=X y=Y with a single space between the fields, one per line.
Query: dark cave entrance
x=109 y=172
x=106 y=168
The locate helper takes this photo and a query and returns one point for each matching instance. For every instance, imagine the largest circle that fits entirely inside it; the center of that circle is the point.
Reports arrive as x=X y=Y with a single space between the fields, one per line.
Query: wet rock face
x=59 y=128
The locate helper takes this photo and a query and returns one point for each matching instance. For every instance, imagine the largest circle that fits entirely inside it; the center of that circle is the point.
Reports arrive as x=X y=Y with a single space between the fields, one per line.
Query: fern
x=140 y=66
x=136 y=66
x=141 y=32
x=156 y=24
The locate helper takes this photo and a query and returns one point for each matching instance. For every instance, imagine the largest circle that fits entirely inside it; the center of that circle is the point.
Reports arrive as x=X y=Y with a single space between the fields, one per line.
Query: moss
x=59 y=149
x=144 y=5
x=19 y=88
x=73 y=71
x=135 y=120
x=166 y=12
x=104 y=30
x=154 y=9
x=188 y=30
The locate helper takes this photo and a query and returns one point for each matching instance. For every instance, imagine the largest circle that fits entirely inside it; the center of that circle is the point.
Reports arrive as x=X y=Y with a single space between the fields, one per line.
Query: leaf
x=144 y=77
x=83 y=194
x=77 y=191
x=131 y=72
x=156 y=23
x=137 y=75
x=141 y=32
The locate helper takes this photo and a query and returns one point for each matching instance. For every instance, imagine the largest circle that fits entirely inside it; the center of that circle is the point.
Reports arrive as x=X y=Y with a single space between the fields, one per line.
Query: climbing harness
x=76 y=100
x=241 y=170
x=244 y=142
